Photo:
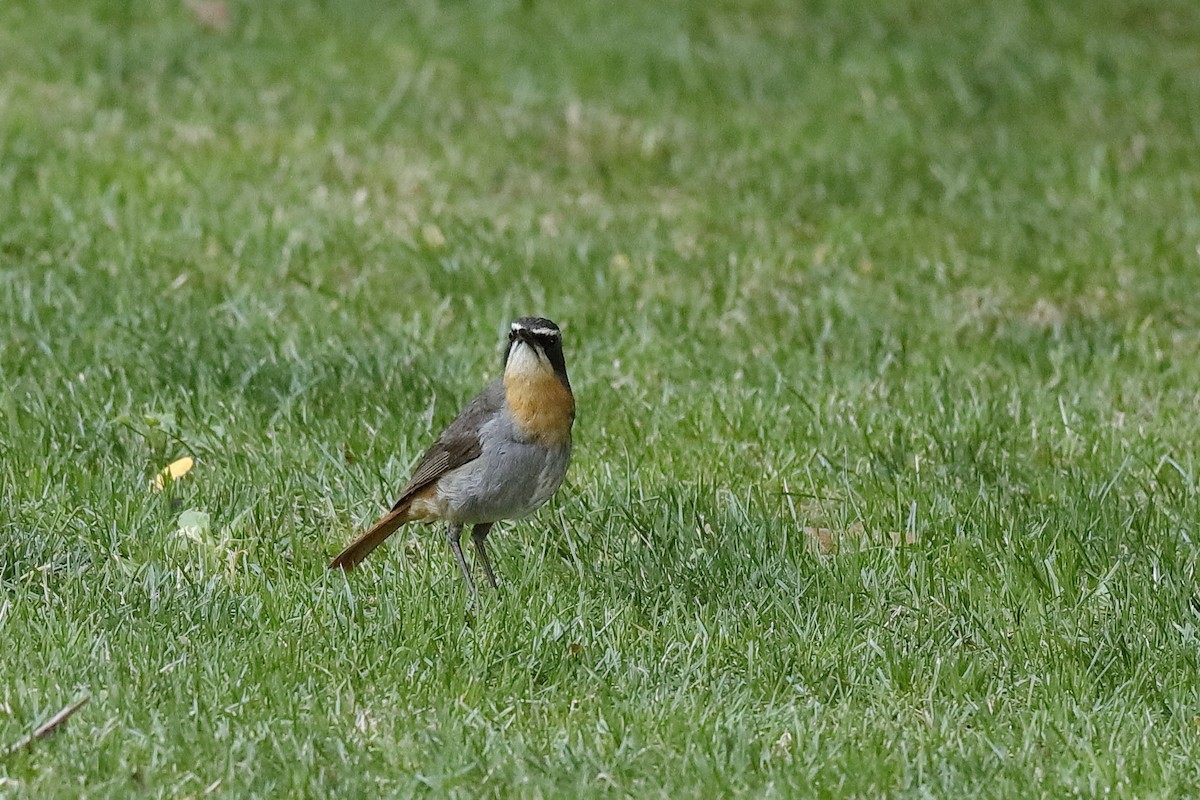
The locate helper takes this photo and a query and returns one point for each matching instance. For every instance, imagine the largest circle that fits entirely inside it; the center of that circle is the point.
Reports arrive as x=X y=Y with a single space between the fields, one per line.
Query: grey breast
x=512 y=476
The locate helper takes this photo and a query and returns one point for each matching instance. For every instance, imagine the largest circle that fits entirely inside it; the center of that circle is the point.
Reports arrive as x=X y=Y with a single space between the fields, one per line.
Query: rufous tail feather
x=361 y=547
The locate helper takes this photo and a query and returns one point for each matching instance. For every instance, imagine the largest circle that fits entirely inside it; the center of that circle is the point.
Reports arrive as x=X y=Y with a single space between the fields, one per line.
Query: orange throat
x=540 y=403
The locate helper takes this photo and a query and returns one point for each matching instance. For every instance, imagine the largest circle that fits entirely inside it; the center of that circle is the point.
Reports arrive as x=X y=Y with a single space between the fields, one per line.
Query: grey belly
x=509 y=480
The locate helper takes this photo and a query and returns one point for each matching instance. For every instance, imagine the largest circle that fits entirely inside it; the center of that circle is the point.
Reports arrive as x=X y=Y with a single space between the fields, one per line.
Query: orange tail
x=361 y=547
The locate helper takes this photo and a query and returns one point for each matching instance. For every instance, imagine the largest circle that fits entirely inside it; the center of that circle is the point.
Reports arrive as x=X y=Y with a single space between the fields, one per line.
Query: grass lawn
x=922 y=275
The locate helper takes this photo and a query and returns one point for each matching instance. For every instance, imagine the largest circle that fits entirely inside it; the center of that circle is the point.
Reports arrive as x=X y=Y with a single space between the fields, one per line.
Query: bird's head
x=535 y=348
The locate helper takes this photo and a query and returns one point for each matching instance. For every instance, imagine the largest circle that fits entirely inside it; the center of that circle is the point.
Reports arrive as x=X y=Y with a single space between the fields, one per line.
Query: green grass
x=928 y=267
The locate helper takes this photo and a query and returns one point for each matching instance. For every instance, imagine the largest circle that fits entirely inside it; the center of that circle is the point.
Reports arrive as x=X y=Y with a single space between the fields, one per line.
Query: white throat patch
x=524 y=359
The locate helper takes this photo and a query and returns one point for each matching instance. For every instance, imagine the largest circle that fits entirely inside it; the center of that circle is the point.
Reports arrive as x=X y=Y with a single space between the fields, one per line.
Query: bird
x=501 y=458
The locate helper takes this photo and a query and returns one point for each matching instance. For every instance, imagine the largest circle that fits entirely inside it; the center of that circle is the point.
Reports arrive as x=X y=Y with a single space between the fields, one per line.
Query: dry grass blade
x=830 y=542
x=212 y=15
x=49 y=726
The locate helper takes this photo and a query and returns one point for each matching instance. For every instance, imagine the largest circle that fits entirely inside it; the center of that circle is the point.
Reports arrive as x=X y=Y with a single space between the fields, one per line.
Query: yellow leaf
x=172 y=472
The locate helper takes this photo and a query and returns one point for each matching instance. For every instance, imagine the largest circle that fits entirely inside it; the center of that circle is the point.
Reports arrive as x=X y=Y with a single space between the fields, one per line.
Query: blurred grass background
x=929 y=268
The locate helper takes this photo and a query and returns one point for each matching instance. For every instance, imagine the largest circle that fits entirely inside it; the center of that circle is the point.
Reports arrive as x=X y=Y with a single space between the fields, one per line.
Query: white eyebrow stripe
x=516 y=326
x=544 y=332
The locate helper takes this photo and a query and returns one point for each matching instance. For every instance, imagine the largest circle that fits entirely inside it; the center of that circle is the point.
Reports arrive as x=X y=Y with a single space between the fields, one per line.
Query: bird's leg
x=453 y=533
x=479 y=536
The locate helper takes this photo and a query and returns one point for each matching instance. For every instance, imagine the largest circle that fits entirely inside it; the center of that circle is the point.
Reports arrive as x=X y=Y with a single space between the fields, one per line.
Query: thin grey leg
x=479 y=535
x=453 y=533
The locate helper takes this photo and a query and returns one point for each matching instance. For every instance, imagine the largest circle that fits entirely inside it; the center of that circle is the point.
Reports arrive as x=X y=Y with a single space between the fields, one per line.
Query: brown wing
x=459 y=444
